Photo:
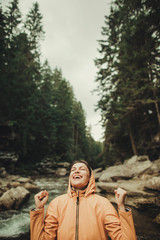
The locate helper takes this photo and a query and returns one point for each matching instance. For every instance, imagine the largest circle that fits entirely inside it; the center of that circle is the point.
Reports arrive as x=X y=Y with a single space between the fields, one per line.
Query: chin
x=77 y=185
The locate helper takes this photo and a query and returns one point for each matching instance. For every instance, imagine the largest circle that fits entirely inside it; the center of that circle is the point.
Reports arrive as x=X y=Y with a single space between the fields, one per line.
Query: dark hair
x=81 y=161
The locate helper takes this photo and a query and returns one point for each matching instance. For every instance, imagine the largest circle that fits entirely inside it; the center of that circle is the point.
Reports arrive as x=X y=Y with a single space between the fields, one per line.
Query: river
x=15 y=224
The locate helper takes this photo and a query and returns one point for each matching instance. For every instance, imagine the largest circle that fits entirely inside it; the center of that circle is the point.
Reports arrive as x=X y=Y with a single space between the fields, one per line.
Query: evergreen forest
x=39 y=115
x=128 y=80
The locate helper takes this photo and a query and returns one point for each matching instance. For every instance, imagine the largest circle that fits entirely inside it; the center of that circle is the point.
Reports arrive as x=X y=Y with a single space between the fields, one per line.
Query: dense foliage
x=36 y=102
x=129 y=79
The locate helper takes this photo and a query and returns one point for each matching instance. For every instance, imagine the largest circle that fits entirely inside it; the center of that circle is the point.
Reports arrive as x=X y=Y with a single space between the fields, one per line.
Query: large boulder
x=14 y=198
x=136 y=196
x=140 y=178
x=134 y=187
x=154 y=169
x=135 y=166
x=115 y=173
x=153 y=184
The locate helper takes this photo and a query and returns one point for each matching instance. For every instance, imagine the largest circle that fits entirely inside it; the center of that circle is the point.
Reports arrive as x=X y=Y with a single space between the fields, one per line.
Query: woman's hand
x=120 y=195
x=40 y=199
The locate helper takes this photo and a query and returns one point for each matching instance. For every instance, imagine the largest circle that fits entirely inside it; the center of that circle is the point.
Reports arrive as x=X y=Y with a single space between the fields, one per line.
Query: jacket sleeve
x=44 y=228
x=119 y=227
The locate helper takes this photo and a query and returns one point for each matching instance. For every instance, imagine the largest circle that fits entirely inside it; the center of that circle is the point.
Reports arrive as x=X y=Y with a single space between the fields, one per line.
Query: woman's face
x=79 y=176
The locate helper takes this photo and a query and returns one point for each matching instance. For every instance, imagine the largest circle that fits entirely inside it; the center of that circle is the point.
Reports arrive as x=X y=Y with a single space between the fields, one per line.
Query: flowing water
x=14 y=224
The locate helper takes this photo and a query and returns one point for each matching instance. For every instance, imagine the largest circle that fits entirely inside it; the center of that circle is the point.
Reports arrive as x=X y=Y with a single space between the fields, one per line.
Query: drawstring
x=77 y=215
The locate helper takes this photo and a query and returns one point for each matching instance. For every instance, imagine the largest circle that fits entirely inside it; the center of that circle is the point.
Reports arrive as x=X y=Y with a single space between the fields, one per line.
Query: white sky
x=72 y=28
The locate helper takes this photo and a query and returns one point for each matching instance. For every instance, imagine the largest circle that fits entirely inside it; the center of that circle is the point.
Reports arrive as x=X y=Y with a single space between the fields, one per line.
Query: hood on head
x=91 y=187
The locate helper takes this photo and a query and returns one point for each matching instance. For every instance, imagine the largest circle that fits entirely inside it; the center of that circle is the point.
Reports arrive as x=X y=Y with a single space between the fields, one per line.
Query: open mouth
x=77 y=177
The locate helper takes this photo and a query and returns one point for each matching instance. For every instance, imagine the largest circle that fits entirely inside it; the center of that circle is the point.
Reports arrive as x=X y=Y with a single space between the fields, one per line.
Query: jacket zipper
x=77 y=216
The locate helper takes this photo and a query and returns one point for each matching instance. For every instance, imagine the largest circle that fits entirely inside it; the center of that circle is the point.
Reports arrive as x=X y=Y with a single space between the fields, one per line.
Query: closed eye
x=73 y=169
x=84 y=169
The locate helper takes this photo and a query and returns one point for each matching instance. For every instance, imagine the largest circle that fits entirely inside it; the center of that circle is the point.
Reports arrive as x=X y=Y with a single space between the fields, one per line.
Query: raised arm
x=43 y=228
x=120 y=195
x=119 y=227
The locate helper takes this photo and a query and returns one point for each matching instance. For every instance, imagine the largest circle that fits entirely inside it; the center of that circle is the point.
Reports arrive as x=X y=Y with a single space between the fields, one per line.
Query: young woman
x=80 y=214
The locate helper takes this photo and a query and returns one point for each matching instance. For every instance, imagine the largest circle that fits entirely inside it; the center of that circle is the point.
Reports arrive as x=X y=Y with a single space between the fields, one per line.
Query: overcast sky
x=72 y=28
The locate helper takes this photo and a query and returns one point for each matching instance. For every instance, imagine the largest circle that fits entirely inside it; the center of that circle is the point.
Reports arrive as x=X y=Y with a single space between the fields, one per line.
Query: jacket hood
x=91 y=188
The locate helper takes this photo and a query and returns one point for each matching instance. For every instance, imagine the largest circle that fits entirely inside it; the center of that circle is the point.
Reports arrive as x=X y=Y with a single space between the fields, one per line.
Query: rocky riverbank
x=15 y=190
x=139 y=177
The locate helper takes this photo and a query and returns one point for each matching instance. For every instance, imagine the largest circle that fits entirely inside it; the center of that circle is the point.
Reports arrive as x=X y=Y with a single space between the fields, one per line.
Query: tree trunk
x=132 y=140
x=158 y=113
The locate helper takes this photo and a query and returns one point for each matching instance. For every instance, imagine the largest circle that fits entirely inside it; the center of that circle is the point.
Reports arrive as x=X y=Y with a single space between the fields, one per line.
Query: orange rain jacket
x=81 y=215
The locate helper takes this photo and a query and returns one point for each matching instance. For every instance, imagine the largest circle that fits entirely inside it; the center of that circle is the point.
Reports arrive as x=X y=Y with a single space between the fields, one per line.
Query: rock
x=136 y=158
x=14 y=198
x=6 y=157
x=136 y=196
x=150 y=201
x=135 y=166
x=13 y=184
x=12 y=178
x=63 y=165
x=3 y=172
x=115 y=173
x=50 y=167
x=154 y=169
x=152 y=205
x=133 y=187
x=157 y=219
x=31 y=187
x=23 y=180
x=61 y=172
x=140 y=178
x=142 y=158
x=97 y=170
x=131 y=160
x=13 y=181
x=8 y=160
x=118 y=162
x=97 y=173
x=153 y=184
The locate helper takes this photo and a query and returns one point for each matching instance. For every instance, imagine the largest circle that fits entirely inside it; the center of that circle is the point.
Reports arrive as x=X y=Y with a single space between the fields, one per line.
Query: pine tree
x=13 y=19
x=129 y=59
x=79 y=131
x=34 y=28
x=63 y=104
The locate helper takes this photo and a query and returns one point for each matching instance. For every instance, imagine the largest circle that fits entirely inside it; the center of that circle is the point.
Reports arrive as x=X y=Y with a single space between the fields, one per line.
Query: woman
x=81 y=214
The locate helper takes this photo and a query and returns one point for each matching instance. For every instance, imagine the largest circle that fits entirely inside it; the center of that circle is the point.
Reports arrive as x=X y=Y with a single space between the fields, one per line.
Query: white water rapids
x=13 y=223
